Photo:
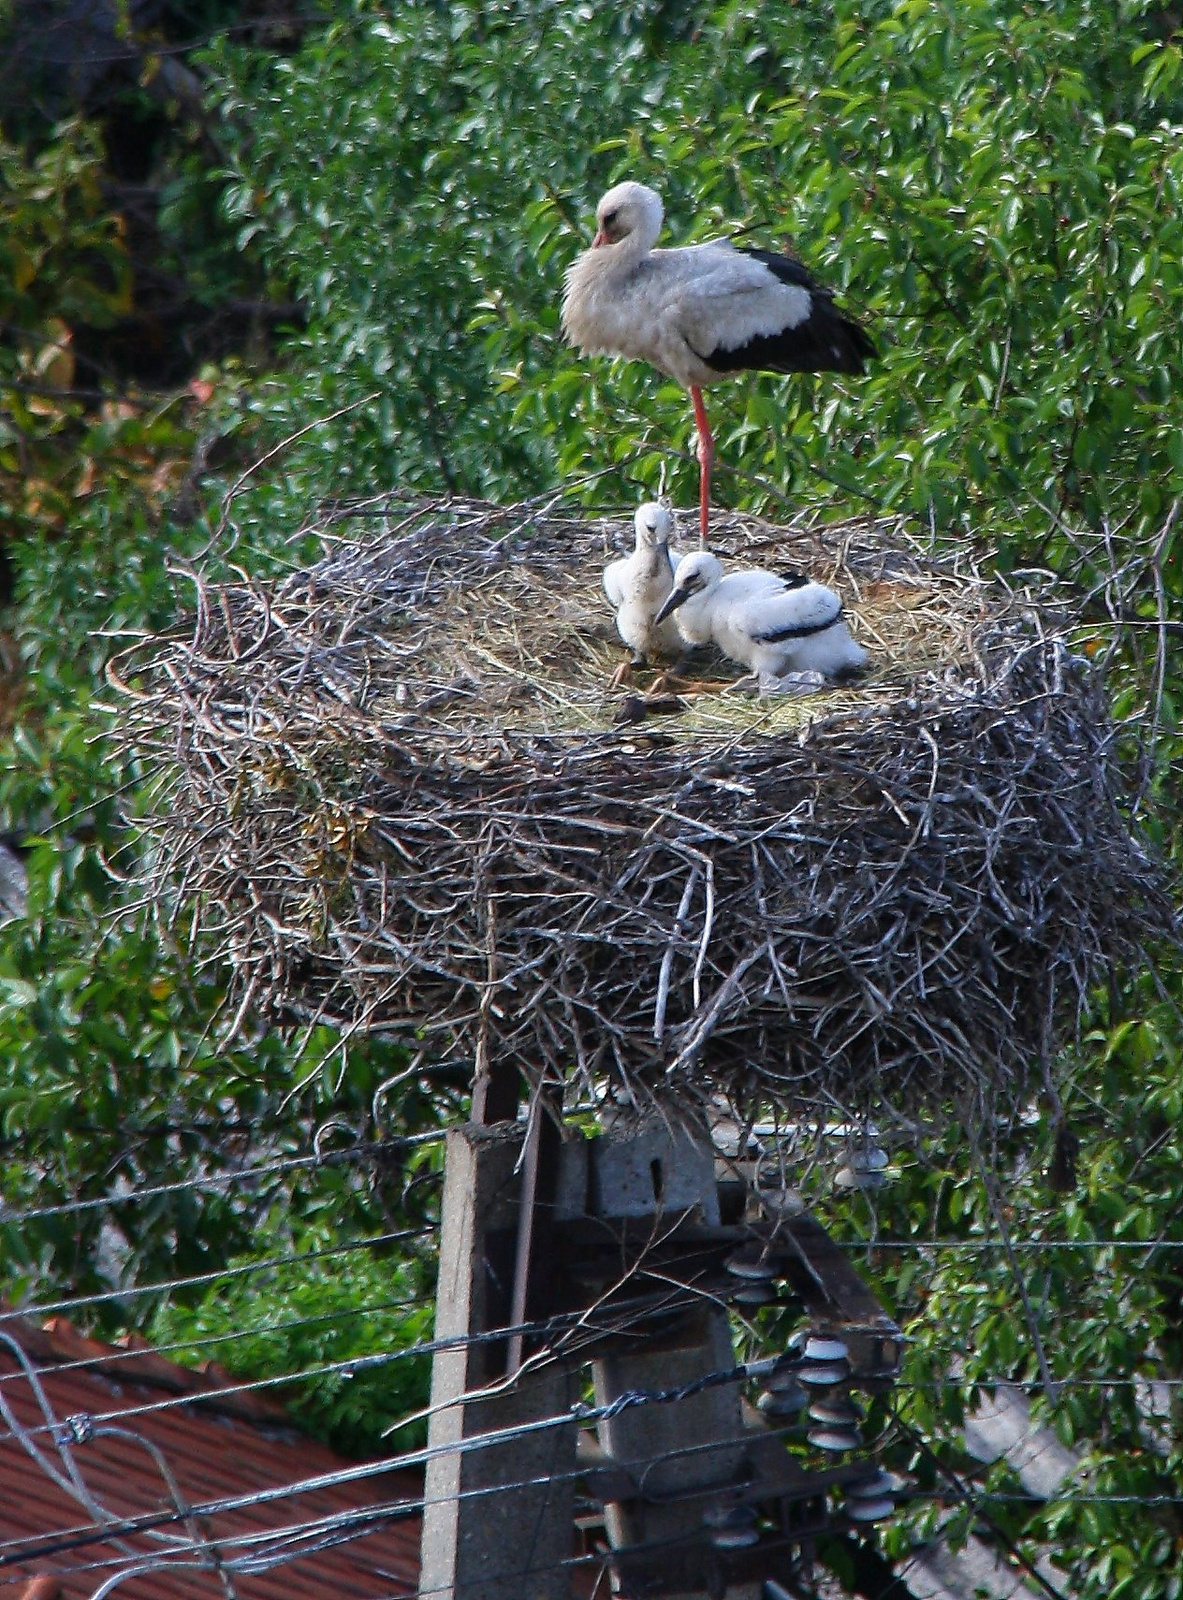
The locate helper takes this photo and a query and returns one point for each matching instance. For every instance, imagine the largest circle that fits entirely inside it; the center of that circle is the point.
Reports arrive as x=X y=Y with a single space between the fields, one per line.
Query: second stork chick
x=770 y=625
x=638 y=586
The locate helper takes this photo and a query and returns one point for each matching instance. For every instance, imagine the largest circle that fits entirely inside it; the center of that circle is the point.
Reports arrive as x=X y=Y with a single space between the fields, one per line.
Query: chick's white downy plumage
x=770 y=625
x=638 y=586
x=700 y=312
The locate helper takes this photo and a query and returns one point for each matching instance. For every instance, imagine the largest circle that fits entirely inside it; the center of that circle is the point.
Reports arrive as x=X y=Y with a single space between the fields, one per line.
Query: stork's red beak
x=600 y=238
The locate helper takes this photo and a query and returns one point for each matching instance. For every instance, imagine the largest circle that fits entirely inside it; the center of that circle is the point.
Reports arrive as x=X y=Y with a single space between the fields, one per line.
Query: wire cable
x=399 y=1509
x=571 y=1324
x=376 y=1148
x=571 y=1328
x=115 y=1354
x=195 y=1280
x=295 y=1540
x=577 y=1415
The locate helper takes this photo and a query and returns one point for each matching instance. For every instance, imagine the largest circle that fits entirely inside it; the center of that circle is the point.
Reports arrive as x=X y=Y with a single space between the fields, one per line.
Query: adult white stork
x=702 y=311
x=638 y=585
x=788 y=625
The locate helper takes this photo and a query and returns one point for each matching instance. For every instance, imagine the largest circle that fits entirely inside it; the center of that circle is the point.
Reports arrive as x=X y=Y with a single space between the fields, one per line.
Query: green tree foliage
x=998 y=191
x=1106 y=1319
x=62 y=266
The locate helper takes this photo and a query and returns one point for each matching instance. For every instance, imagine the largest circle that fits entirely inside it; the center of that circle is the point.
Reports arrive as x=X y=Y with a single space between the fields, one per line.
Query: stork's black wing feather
x=783 y=267
x=824 y=341
x=798 y=630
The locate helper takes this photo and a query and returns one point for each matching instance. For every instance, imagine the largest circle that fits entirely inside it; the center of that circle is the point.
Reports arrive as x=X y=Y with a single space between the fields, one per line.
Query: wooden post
x=495 y=1525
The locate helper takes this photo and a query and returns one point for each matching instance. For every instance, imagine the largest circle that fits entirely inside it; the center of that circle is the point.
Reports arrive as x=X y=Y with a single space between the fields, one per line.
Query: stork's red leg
x=706 y=457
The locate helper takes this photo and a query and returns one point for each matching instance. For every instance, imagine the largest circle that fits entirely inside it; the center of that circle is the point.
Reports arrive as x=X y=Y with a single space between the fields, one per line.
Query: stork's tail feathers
x=860 y=345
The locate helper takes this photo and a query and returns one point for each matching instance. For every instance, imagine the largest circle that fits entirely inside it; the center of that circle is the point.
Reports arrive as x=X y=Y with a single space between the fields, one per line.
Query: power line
x=359 y=1363
x=399 y=1509
x=328 y=1532
x=964 y=1495
x=339 y=1527
x=214 y=1275
x=376 y=1148
x=1015 y=1244
x=544 y=1328
x=115 y=1354
x=1102 y=1380
x=196 y=1279
x=12 y=1214
x=578 y=1415
x=350 y=1366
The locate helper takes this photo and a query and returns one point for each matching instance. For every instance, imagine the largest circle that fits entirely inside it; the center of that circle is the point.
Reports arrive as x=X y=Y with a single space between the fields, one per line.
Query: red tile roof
x=217 y=1443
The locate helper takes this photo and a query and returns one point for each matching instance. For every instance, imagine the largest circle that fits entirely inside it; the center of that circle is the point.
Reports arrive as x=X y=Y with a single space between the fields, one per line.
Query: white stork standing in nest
x=772 y=628
x=700 y=312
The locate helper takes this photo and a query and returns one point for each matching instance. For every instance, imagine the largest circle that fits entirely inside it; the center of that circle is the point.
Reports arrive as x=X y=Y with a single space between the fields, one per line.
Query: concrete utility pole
x=615 y=1247
x=499 y=1520
x=656 y=1175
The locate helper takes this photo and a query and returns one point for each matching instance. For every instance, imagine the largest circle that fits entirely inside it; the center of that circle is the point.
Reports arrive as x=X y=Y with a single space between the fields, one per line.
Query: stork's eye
x=610 y=219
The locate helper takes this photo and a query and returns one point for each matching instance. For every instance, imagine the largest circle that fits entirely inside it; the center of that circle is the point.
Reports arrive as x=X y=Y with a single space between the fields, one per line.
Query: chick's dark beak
x=673 y=600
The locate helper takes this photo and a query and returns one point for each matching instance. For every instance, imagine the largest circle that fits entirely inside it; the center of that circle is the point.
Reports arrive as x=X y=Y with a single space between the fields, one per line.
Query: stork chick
x=637 y=587
x=788 y=625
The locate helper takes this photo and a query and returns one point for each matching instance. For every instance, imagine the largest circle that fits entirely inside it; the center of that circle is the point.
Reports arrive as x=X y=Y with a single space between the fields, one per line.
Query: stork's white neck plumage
x=628 y=223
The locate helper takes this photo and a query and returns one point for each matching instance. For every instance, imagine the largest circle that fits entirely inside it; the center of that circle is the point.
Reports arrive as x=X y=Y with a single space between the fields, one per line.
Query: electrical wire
x=10 y=1214
x=271 y=1560
x=116 y=1354
x=163 y=1287
x=965 y=1496
x=195 y=1280
x=570 y=1323
x=1014 y=1244
x=579 y=1415
x=400 y=1509
x=73 y=1482
x=349 y=1366
x=572 y=1327
x=360 y=1522
x=299 y=1540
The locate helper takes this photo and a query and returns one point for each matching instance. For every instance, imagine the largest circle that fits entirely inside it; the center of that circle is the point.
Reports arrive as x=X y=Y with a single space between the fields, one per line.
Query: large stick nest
x=392 y=786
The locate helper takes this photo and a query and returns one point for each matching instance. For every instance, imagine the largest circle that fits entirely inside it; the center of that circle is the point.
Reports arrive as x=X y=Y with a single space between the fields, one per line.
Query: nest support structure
x=390 y=785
